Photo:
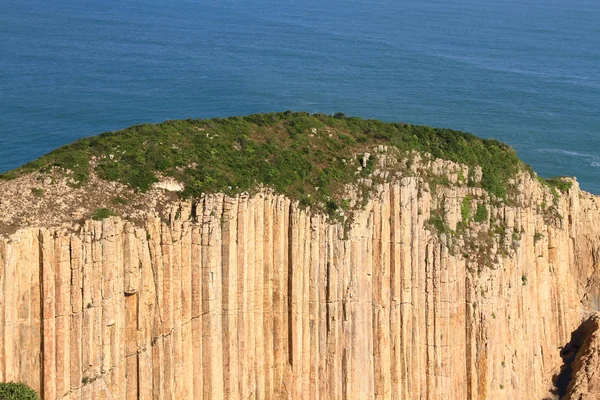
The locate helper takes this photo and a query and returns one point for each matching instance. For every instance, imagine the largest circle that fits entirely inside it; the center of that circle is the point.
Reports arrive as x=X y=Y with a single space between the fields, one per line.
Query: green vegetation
x=516 y=235
x=118 y=200
x=17 y=391
x=465 y=210
x=437 y=220
x=437 y=180
x=481 y=214
x=524 y=279
x=306 y=157
x=461 y=177
x=102 y=213
x=438 y=223
x=555 y=185
x=560 y=184
x=37 y=192
x=553 y=190
x=537 y=237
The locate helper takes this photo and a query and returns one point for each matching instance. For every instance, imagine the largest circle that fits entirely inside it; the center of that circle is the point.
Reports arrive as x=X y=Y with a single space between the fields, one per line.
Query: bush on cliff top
x=102 y=213
x=17 y=391
x=560 y=184
x=293 y=152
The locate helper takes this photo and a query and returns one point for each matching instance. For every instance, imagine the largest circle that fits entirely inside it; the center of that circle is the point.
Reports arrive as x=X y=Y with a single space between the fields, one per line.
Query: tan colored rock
x=585 y=382
x=255 y=297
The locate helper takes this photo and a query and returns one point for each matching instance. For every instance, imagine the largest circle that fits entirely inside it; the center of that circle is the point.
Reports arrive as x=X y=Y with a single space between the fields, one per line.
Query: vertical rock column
x=254 y=297
x=48 y=261
x=212 y=330
x=20 y=317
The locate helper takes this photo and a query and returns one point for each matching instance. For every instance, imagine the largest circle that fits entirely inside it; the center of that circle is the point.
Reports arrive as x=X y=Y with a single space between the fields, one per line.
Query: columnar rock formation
x=253 y=297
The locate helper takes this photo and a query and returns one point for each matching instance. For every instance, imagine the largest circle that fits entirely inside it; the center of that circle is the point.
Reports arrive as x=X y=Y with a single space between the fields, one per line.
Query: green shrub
x=516 y=236
x=102 y=213
x=437 y=180
x=465 y=210
x=437 y=222
x=560 y=184
x=17 y=391
x=482 y=213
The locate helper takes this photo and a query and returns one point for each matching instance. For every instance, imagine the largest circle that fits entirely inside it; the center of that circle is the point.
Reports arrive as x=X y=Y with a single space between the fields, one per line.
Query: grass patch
x=481 y=214
x=438 y=224
x=465 y=210
x=560 y=184
x=118 y=200
x=102 y=213
x=437 y=221
x=37 y=192
x=292 y=152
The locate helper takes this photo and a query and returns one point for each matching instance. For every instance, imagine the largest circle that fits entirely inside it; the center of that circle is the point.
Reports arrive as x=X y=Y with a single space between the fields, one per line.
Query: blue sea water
x=526 y=72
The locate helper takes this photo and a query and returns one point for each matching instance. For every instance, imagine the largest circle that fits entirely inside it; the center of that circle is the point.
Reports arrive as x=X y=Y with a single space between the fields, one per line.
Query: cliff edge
x=394 y=273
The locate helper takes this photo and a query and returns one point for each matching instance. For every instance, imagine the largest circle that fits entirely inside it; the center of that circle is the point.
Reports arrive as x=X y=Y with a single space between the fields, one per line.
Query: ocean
x=525 y=72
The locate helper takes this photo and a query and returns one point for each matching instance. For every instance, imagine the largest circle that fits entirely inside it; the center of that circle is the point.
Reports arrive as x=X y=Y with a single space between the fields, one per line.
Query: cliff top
x=309 y=158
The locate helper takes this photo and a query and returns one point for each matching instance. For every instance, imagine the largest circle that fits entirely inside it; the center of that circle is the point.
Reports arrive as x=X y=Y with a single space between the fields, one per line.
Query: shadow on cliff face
x=568 y=353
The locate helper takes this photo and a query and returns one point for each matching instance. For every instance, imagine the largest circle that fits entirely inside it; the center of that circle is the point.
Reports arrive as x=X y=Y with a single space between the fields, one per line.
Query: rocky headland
x=402 y=269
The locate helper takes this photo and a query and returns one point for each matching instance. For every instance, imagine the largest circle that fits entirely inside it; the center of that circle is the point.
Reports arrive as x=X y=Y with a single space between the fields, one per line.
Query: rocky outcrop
x=255 y=297
x=579 y=378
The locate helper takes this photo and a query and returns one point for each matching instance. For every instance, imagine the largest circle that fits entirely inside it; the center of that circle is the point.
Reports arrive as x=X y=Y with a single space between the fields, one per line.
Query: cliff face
x=253 y=297
x=578 y=378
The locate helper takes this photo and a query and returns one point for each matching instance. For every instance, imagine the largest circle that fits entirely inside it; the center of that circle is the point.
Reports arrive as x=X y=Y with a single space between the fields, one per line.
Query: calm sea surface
x=526 y=72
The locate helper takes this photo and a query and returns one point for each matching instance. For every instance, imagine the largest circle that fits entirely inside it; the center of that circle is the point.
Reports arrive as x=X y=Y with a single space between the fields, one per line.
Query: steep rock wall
x=253 y=297
x=585 y=364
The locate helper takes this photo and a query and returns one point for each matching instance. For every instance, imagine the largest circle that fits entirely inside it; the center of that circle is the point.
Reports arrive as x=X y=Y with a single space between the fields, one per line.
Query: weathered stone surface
x=254 y=297
x=584 y=381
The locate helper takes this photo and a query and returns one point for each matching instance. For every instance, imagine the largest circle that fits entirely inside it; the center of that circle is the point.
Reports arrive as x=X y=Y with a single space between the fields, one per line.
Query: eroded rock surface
x=584 y=382
x=255 y=297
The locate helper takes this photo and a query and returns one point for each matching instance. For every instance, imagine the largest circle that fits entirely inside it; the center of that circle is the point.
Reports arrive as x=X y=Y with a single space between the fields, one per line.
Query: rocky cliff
x=578 y=379
x=362 y=265
x=256 y=297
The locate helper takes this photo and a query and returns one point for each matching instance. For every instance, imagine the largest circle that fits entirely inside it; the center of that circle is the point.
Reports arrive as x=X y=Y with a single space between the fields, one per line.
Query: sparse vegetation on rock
x=102 y=213
x=306 y=157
